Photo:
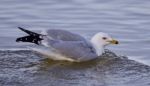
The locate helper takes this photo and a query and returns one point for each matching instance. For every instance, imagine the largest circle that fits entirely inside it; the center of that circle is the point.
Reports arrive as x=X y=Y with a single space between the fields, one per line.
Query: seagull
x=64 y=45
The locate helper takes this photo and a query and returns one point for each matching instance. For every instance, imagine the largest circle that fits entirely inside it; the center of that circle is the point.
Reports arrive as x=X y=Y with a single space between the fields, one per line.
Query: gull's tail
x=32 y=37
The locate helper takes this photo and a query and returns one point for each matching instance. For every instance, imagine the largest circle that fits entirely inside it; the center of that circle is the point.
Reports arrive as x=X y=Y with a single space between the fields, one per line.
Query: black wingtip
x=17 y=40
x=20 y=28
x=30 y=32
x=32 y=37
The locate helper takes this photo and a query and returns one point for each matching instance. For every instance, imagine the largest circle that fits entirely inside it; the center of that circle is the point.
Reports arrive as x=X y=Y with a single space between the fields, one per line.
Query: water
x=128 y=21
x=23 y=68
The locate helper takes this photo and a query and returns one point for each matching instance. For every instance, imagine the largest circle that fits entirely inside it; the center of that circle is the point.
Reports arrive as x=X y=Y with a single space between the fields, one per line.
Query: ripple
x=22 y=67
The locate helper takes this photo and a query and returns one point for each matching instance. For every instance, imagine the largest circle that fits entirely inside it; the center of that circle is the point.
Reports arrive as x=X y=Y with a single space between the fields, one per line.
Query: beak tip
x=117 y=42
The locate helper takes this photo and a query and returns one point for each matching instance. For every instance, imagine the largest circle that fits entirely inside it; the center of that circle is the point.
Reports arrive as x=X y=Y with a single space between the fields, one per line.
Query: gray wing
x=70 y=45
x=64 y=35
x=77 y=50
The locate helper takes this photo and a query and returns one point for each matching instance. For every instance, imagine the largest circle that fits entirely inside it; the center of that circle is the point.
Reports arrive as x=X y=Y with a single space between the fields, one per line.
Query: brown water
x=128 y=21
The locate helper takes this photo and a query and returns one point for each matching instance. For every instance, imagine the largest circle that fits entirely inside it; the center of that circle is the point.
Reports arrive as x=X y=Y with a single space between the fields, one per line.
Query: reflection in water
x=106 y=70
x=48 y=63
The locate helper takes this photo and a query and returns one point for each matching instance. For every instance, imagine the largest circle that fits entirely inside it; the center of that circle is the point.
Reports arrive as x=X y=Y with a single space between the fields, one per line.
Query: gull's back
x=64 y=35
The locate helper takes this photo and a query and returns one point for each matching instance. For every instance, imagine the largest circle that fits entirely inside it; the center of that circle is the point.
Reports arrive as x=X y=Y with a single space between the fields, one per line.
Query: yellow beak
x=114 y=41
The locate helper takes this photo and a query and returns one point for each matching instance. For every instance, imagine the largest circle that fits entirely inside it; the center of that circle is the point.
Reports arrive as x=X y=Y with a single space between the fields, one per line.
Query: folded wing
x=77 y=50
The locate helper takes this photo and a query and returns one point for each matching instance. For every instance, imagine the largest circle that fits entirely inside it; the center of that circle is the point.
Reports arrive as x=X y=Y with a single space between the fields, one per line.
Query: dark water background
x=126 y=20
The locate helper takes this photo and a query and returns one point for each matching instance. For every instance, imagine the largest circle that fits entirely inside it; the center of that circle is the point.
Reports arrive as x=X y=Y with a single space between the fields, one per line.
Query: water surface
x=126 y=20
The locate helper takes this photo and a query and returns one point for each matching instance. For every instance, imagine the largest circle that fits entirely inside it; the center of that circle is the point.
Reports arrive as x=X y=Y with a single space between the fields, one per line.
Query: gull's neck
x=98 y=46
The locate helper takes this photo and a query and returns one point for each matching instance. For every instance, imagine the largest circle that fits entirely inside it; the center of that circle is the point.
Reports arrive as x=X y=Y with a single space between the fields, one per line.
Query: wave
x=24 y=67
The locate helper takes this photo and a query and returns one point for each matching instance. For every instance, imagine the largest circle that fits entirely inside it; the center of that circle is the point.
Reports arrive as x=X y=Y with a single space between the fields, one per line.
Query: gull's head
x=100 y=40
x=103 y=39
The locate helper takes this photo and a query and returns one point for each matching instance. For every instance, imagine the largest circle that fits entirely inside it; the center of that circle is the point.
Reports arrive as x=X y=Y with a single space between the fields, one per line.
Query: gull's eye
x=104 y=38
